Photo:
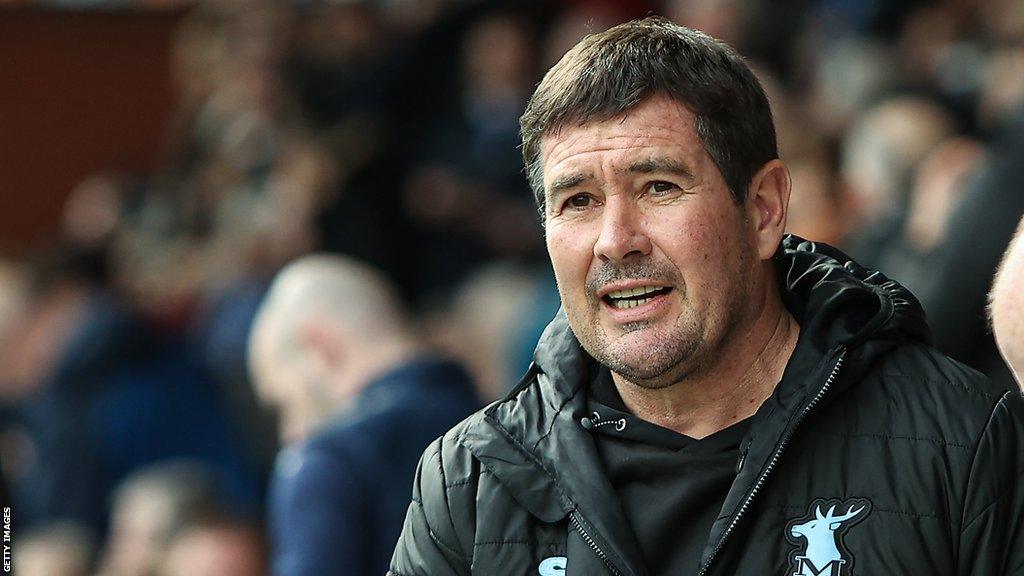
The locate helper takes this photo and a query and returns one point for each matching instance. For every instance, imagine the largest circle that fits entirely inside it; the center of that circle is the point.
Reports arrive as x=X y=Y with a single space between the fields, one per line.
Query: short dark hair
x=608 y=73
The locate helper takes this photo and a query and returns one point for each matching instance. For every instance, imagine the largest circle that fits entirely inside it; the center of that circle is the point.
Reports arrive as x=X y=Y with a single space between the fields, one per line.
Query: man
x=215 y=547
x=359 y=398
x=149 y=508
x=713 y=398
x=1007 y=306
x=62 y=547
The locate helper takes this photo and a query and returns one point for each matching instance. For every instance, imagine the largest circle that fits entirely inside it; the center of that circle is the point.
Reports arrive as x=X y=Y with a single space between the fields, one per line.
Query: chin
x=649 y=367
x=646 y=376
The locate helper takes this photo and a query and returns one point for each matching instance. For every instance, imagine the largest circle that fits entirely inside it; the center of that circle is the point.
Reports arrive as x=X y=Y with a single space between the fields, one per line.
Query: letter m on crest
x=804 y=567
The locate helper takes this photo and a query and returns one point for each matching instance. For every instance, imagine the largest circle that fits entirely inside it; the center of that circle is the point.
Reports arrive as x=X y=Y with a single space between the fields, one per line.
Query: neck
x=747 y=368
x=384 y=356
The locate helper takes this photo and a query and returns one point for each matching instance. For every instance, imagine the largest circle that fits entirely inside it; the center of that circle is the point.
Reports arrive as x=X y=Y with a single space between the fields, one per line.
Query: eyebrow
x=668 y=165
x=567 y=181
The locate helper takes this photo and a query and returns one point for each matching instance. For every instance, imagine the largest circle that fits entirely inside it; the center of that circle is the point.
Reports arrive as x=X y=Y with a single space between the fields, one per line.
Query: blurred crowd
x=131 y=437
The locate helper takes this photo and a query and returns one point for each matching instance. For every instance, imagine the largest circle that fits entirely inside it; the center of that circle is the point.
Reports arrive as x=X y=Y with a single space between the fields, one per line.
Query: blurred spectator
x=215 y=548
x=237 y=194
x=241 y=180
x=847 y=76
x=721 y=19
x=469 y=195
x=338 y=62
x=95 y=395
x=1003 y=86
x=94 y=209
x=150 y=508
x=817 y=209
x=484 y=320
x=359 y=397
x=65 y=341
x=926 y=38
x=990 y=199
x=579 y=19
x=58 y=549
x=938 y=188
x=880 y=154
x=960 y=267
x=1008 y=305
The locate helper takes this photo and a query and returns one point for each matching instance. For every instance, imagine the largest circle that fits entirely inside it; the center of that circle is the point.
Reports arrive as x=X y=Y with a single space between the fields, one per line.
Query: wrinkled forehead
x=657 y=121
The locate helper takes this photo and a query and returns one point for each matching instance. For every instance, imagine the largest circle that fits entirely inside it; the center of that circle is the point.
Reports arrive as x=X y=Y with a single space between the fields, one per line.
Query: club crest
x=819 y=537
x=553 y=566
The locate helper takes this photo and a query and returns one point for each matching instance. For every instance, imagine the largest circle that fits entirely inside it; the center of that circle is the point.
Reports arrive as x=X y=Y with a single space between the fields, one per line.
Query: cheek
x=689 y=241
x=703 y=246
x=570 y=257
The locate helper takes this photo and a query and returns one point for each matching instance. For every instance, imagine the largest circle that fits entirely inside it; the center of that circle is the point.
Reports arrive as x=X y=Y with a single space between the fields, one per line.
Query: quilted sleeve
x=429 y=545
x=992 y=533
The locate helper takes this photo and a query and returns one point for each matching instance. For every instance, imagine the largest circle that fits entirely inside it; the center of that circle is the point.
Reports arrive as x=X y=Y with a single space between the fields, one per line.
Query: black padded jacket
x=876 y=455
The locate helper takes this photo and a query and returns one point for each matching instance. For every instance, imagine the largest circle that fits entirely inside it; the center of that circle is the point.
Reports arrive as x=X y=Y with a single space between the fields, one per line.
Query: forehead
x=658 y=124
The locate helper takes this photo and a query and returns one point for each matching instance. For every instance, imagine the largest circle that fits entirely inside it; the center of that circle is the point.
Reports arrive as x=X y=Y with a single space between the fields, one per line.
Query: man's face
x=653 y=258
x=282 y=384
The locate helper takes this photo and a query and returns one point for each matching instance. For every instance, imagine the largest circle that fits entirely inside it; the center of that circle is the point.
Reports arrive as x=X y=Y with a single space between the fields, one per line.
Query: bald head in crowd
x=327 y=327
x=1008 y=305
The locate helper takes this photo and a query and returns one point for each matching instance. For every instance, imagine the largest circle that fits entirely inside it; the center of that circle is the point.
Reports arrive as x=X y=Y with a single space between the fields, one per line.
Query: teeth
x=639 y=291
x=630 y=303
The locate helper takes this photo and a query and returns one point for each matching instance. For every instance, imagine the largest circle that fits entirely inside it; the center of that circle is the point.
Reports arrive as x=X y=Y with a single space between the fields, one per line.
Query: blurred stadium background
x=162 y=160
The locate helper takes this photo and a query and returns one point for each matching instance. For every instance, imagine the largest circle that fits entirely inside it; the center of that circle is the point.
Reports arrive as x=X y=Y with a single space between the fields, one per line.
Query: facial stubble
x=687 y=348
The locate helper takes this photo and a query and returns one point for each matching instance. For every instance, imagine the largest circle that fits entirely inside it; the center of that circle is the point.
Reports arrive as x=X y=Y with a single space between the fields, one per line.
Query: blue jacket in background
x=338 y=500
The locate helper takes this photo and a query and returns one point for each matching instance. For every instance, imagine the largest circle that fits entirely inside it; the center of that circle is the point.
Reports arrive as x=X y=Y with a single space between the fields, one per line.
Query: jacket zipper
x=574 y=518
x=773 y=462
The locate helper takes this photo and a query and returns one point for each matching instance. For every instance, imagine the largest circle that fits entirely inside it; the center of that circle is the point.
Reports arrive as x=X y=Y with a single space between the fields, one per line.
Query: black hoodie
x=875 y=455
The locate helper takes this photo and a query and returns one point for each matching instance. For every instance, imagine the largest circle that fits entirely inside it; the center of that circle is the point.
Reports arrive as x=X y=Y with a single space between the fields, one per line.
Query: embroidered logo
x=554 y=566
x=819 y=537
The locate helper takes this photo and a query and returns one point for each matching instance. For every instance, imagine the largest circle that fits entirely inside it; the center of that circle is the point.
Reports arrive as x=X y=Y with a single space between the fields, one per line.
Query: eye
x=661 y=188
x=578 y=201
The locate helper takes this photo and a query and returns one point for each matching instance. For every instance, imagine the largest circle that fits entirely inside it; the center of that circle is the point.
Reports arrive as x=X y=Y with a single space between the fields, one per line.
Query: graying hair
x=608 y=73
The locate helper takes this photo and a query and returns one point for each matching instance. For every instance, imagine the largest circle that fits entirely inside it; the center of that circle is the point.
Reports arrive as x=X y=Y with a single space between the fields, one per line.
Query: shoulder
x=401 y=420
x=922 y=373
x=312 y=464
x=337 y=438
x=308 y=484
x=924 y=363
x=448 y=462
x=920 y=393
x=428 y=396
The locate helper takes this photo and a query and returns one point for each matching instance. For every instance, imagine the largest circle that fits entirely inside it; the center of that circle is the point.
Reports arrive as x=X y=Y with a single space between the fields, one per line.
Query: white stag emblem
x=824 y=552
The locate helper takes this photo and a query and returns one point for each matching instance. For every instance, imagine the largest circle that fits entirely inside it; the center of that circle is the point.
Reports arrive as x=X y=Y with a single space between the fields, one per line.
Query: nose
x=623 y=231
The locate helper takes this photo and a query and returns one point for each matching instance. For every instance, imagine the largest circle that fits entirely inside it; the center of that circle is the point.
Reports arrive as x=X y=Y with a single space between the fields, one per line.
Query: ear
x=325 y=343
x=767 y=205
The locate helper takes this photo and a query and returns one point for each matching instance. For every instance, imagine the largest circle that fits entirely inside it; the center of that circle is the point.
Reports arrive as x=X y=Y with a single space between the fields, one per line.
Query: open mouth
x=634 y=297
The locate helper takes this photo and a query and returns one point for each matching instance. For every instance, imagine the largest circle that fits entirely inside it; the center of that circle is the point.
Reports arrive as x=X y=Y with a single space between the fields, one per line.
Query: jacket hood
x=838 y=302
